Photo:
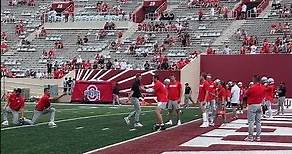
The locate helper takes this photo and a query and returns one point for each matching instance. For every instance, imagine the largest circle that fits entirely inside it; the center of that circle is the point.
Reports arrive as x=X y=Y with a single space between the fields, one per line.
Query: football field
x=80 y=128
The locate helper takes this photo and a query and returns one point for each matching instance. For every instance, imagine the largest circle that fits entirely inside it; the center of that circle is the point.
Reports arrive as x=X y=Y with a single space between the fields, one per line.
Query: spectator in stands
x=243 y=11
x=85 y=39
x=109 y=64
x=59 y=44
x=146 y=65
x=200 y=13
x=116 y=64
x=79 y=40
x=164 y=64
x=226 y=50
x=210 y=50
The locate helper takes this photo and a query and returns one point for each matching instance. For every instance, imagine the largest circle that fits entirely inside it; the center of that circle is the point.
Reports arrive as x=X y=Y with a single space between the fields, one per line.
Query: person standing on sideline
x=65 y=85
x=269 y=96
x=255 y=96
x=116 y=92
x=281 y=92
x=14 y=105
x=210 y=96
x=234 y=99
x=42 y=107
x=161 y=92
x=174 y=96
x=201 y=98
x=134 y=97
x=69 y=86
x=188 y=96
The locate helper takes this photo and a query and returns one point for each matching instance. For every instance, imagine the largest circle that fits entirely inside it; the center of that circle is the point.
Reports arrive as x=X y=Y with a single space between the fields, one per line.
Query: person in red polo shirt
x=174 y=96
x=14 y=105
x=269 y=95
x=161 y=92
x=43 y=106
x=255 y=96
x=210 y=102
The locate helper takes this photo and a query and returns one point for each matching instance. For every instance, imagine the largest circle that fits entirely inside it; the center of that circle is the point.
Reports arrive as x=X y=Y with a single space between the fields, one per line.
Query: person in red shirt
x=221 y=99
x=255 y=96
x=42 y=107
x=161 y=92
x=174 y=97
x=269 y=95
x=14 y=105
x=210 y=100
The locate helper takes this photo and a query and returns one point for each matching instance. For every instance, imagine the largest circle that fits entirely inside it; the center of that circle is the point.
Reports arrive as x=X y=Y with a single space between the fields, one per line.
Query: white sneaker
x=211 y=124
x=205 y=124
x=127 y=120
x=138 y=124
x=5 y=123
x=178 y=122
x=169 y=122
x=52 y=124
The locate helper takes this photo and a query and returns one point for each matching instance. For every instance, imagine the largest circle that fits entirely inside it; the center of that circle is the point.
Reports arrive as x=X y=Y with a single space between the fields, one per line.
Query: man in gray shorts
x=281 y=92
x=134 y=97
x=174 y=96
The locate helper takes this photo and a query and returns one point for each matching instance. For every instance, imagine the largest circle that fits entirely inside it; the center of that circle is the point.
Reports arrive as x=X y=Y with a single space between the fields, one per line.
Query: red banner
x=92 y=91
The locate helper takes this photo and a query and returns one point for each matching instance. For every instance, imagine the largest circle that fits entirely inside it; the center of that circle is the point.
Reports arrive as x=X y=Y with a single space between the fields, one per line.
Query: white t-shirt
x=235 y=94
x=243 y=8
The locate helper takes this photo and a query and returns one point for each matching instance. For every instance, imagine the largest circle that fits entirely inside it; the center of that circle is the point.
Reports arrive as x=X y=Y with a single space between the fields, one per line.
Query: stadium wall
x=243 y=67
x=191 y=74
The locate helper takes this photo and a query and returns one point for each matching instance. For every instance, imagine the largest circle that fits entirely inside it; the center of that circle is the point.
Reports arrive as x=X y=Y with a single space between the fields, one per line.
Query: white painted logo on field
x=216 y=136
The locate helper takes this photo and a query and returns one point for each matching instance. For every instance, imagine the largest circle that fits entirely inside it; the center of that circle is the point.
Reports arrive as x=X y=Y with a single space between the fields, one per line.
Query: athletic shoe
x=205 y=124
x=138 y=124
x=169 y=122
x=52 y=124
x=127 y=120
x=5 y=123
x=156 y=127
x=162 y=127
x=258 y=138
x=249 y=139
x=178 y=122
x=211 y=124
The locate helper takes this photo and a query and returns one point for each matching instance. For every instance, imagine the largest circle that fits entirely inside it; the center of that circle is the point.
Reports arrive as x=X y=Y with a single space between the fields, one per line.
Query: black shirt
x=136 y=89
x=188 y=90
x=116 y=90
x=282 y=91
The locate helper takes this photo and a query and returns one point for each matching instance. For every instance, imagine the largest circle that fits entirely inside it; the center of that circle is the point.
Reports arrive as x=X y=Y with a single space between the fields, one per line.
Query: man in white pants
x=42 y=107
x=235 y=97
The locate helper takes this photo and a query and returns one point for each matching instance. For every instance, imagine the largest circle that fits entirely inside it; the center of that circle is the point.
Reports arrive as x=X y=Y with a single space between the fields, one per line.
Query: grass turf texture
x=90 y=134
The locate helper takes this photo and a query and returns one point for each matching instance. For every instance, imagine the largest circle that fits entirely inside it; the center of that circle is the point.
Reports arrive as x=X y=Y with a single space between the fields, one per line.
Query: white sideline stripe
x=65 y=120
x=139 y=137
x=231 y=152
x=93 y=78
x=62 y=110
x=103 y=75
x=121 y=73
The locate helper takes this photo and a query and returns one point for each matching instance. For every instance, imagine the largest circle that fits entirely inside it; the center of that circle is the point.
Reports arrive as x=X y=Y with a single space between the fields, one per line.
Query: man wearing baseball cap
x=14 y=105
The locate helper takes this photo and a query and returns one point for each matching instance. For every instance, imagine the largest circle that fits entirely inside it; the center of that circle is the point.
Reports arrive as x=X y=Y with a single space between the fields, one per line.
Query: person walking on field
x=134 y=97
x=188 y=96
x=281 y=92
x=255 y=96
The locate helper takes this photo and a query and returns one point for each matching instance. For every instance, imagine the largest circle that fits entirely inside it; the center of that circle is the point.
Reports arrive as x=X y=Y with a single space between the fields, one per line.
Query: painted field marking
x=73 y=119
x=105 y=129
x=232 y=152
x=139 y=137
x=79 y=127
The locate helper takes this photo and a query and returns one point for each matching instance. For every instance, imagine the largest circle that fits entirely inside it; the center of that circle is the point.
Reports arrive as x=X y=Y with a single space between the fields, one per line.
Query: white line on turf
x=79 y=127
x=65 y=120
x=105 y=129
x=136 y=138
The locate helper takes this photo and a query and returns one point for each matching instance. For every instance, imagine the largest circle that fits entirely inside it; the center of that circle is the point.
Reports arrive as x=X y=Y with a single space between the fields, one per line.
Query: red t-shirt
x=43 y=103
x=16 y=102
x=255 y=94
x=174 y=91
x=269 y=92
x=202 y=93
x=221 y=93
x=212 y=91
x=160 y=92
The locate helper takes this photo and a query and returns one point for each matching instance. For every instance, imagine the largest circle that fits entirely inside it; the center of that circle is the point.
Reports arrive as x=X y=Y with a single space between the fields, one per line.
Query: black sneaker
x=156 y=127
x=162 y=127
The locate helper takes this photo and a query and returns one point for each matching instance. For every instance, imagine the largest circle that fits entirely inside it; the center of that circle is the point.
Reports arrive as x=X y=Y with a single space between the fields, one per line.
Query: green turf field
x=80 y=129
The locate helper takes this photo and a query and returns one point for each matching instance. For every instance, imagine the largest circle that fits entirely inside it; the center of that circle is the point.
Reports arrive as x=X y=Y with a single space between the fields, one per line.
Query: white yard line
x=65 y=120
x=136 y=138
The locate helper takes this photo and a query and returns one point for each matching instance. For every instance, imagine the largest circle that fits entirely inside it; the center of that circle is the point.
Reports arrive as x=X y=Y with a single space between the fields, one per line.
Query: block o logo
x=92 y=93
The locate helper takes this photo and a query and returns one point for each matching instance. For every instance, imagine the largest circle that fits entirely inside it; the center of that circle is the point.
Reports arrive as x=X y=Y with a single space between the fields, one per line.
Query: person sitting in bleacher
x=79 y=40
x=59 y=44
